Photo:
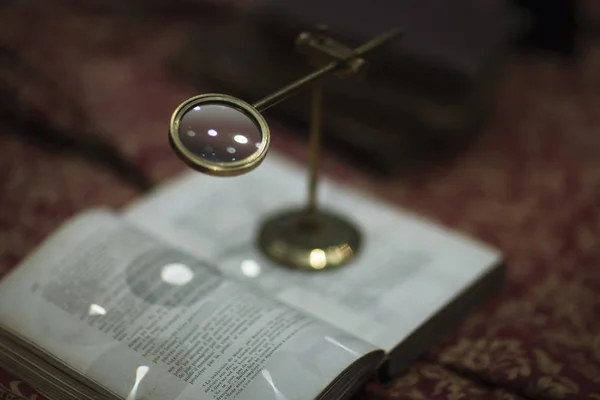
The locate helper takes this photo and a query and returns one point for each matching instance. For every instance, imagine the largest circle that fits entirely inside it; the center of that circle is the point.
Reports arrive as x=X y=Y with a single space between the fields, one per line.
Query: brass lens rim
x=215 y=168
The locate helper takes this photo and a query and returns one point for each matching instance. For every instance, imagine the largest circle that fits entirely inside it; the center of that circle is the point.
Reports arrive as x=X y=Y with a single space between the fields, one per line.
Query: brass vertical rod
x=316 y=127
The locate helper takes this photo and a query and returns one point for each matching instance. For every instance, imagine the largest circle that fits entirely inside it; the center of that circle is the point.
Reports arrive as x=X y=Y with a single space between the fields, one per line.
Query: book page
x=148 y=321
x=406 y=270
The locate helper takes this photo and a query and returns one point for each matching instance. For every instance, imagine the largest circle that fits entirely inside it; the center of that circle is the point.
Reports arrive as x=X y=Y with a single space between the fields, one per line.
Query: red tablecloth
x=529 y=185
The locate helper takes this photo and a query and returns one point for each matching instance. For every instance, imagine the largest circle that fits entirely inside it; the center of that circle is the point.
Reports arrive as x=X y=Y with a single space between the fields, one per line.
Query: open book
x=172 y=302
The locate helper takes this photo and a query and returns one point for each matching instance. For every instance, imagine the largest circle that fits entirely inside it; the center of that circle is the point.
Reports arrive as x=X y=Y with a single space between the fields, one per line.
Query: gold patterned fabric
x=529 y=185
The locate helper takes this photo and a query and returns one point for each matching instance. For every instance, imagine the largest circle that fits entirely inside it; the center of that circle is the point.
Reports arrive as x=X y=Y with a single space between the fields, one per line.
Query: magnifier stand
x=312 y=238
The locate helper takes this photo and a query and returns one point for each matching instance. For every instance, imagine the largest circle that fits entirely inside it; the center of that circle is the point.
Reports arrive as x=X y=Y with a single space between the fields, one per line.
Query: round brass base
x=309 y=241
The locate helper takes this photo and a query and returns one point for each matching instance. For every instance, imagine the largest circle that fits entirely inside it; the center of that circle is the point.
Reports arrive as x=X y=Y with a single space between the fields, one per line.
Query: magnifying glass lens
x=219 y=133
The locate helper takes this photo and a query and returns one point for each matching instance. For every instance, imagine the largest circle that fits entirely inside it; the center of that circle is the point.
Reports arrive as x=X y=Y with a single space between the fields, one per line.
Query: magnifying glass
x=219 y=135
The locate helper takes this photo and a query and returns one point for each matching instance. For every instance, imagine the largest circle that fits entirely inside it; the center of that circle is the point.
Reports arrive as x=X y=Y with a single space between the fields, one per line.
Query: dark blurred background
x=426 y=96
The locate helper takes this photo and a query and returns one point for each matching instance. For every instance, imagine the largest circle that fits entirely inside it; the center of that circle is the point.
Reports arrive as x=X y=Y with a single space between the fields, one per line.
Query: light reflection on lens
x=218 y=133
x=240 y=139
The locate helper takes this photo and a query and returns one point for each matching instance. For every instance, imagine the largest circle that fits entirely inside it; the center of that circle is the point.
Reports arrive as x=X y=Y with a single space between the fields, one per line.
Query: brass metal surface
x=219 y=168
x=311 y=239
x=316 y=124
x=310 y=242
x=321 y=49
